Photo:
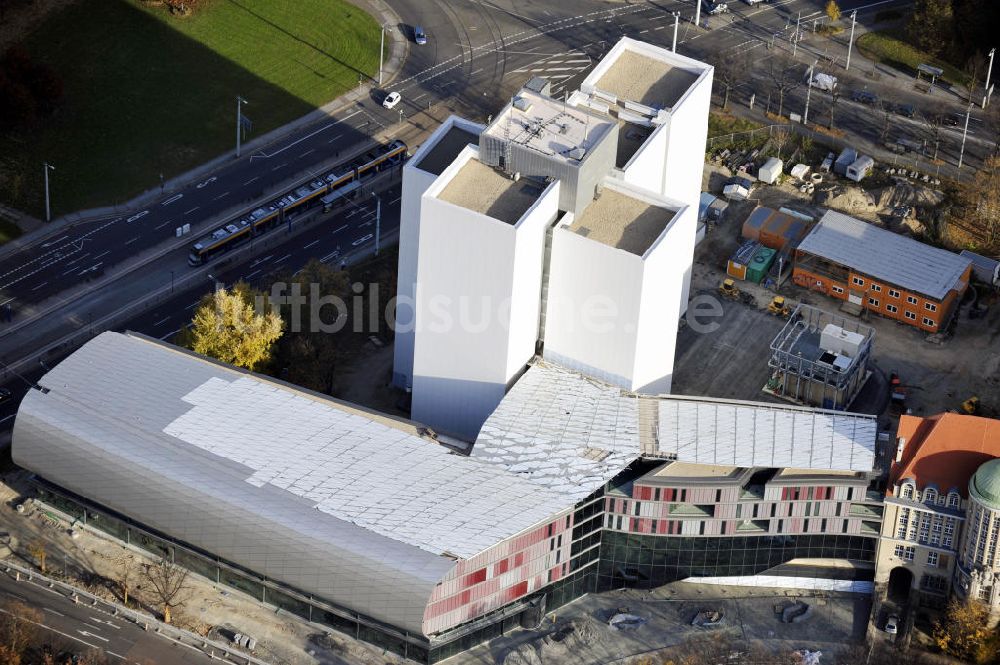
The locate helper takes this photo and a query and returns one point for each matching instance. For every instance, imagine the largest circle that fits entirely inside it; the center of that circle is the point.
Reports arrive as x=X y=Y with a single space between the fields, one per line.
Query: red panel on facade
x=474 y=578
x=502 y=567
x=518 y=559
x=517 y=590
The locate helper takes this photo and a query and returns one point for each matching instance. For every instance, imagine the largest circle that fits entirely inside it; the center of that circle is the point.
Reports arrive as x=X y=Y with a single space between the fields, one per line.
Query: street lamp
x=805 y=114
x=239 y=121
x=989 y=71
x=677 y=19
x=46 y=167
x=850 y=42
x=381 y=51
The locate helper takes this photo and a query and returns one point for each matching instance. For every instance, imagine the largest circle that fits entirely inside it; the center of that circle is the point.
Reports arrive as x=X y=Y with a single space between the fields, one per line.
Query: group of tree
x=303 y=337
x=29 y=90
x=956 y=30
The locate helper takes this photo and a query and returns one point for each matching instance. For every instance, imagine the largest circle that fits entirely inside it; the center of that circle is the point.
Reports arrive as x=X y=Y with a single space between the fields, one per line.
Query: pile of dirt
x=853 y=201
x=565 y=644
x=906 y=193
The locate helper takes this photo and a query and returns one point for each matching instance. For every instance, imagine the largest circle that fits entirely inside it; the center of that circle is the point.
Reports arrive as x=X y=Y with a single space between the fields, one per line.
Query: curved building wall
x=204 y=500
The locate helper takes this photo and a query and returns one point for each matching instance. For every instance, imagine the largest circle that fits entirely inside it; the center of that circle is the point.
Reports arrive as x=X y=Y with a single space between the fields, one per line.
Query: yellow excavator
x=778 y=307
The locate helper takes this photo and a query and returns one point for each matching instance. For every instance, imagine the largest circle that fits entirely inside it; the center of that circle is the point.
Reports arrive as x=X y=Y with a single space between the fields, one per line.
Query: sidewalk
x=398 y=47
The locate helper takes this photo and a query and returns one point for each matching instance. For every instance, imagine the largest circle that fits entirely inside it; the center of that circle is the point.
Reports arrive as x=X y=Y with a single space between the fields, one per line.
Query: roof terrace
x=651 y=81
x=622 y=221
x=482 y=189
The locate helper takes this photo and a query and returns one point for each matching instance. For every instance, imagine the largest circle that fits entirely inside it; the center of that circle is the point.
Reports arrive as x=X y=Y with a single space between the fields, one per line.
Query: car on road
x=714 y=7
x=905 y=110
x=391 y=100
x=419 y=36
x=5 y=394
x=892 y=624
x=952 y=120
x=864 y=97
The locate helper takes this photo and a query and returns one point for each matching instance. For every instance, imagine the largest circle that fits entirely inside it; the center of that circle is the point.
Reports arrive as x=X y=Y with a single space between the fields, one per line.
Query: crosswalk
x=559 y=68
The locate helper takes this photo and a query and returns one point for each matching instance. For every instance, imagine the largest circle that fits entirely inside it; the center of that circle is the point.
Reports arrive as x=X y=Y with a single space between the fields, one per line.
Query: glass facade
x=645 y=561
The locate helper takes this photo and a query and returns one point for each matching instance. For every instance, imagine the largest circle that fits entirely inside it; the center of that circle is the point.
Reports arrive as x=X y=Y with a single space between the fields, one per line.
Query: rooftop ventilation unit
x=577 y=153
x=522 y=104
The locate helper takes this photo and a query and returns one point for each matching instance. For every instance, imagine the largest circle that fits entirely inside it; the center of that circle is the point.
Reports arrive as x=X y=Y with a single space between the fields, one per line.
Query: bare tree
x=730 y=71
x=886 y=110
x=126 y=577
x=934 y=121
x=784 y=74
x=36 y=548
x=974 y=66
x=779 y=138
x=18 y=626
x=834 y=98
x=169 y=583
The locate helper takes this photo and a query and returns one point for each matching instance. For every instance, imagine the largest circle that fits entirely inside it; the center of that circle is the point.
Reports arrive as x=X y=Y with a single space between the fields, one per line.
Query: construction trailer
x=820 y=359
x=861 y=168
x=984 y=269
x=770 y=171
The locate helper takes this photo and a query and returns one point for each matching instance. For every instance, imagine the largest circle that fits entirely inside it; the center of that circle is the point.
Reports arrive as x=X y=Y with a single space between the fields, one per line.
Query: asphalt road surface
x=66 y=625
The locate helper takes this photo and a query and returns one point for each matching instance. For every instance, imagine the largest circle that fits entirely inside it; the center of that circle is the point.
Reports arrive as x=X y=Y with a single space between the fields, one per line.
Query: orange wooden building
x=884 y=272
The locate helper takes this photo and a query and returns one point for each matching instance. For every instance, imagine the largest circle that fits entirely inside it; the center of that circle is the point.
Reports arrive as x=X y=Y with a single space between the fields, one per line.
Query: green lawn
x=721 y=123
x=891 y=48
x=147 y=93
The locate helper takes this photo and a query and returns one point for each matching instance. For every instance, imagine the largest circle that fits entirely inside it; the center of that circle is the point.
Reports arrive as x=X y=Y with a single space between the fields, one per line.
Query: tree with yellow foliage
x=227 y=327
x=833 y=10
x=963 y=631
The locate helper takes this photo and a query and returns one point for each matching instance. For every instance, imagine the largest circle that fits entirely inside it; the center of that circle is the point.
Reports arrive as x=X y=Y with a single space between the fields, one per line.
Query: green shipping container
x=759 y=264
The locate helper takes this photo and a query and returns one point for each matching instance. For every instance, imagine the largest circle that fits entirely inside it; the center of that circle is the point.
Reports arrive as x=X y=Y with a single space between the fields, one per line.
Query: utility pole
x=239 y=121
x=381 y=51
x=809 y=84
x=697 y=13
x=795 y=39
x=850 y=42
x=989 y=71
x=677 y=19
x=965 y=131
x=378 y=221
x=46 y=167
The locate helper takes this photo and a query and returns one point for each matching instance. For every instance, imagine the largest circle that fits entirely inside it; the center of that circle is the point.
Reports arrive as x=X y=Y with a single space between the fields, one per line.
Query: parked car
x=865 y=97
x=892 y=624
x=906 y=110
x=419 y=36
x=391 y=100
x=952 y=120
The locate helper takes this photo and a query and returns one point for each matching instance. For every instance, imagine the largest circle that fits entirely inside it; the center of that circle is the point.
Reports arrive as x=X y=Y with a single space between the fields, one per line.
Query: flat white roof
x=885 y=255
x=622 y=221
x=567 y=431
x=549 y=127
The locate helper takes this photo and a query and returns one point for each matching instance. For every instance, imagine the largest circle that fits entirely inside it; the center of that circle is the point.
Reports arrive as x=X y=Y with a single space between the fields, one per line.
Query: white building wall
x=415 y=183
x=478 y=285
x=646 y=169
x=593 y=307
x=687 y=133
x=661 y=303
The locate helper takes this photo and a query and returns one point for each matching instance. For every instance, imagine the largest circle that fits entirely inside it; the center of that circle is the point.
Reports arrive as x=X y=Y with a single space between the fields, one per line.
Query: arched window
x=954 y=500
x=930 y=495
x=906 y=490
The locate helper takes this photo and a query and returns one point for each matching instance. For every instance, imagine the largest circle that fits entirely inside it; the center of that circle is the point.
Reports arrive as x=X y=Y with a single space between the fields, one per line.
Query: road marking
x=49 y=609
x=138 y=215
x=191 y=210
x=157 y=228
x=39 y=286
x=102 y=254
x=308 y=152
x=3 y=421
x=286 y=256
x=644 y=31
x=362 y=240
x=52 y=242
x=336 y=231
x=335 y=138
x=105 y=622
x=252 y=274
x=311 y=244
x=96 y=637
x=417 y=99
x=256 y=177
x=278 y=152
x=473 y=73
x=193 y=305
x=280 y=166
x=205 y=183
x=161 y=321
x=220 y=196
x=331 y=255
x=169 y=334
x=394 y=200
x=129 y=242
x=172 y=199
x=68 y=271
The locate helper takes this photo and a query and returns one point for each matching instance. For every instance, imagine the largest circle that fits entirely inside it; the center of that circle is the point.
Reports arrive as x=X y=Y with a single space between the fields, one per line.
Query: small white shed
x=861 y=167
x=770 y=171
